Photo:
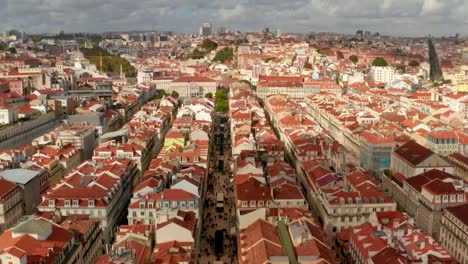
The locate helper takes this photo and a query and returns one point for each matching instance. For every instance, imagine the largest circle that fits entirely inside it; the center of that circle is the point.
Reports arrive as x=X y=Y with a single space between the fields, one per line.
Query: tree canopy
x=197 y=54
x=353 y=58
x=226 y=54
x=340 y=55
x=379 y=61
x=175 y=94
x=209 y=45
x=221 y=101
x=209 y=95
x=413 y=63
x=247 y=82
x=160 y=95
x=110 y=63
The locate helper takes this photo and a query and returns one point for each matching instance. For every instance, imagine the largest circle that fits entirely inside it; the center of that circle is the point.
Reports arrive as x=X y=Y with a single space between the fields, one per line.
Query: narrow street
x=217 y=242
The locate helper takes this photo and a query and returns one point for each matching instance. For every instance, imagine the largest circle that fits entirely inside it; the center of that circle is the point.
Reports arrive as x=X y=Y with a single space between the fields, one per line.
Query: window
x=174 y=204
x=134 y=214
x=67 y=202
x=261 y=203
x=150 y=205
x=182 y=204
x=166 y=204
x=91 y=203
x=244 y=203
x=142 y=205
x=150 y=213
x=142 y=213
x=453 y=198
x=252 y=203
x=75 y=203
x=191 y=204
x=51 y=203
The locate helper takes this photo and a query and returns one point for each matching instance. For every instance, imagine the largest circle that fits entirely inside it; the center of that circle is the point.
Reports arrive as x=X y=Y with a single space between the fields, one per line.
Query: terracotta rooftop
x=413 y=152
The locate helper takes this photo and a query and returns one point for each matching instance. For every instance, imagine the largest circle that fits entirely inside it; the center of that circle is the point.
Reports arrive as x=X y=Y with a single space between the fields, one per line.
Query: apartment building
x=285 y=85
x=11 y=204
x=443 y=143
x=155 y=208
x=454 y=232
x=101 y=192
x=411 y=159
x=192 y=86
x=425 y=196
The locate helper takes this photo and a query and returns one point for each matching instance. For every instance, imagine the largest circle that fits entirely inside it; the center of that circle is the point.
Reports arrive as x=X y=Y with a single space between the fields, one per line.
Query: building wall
x=8 y=258
x=92 y=246
x=454 y=237
x=192 y=89
x=409 y=170
x=245 y=220
x=294 y=92
x=31 y=195
x=8 y=115
x=375 y=158
x=25 y=132
x=11 y=209
x=171 y=231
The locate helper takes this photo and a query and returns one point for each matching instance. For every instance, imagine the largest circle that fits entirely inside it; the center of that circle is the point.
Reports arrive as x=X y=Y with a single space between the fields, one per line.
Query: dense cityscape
x=225 y=146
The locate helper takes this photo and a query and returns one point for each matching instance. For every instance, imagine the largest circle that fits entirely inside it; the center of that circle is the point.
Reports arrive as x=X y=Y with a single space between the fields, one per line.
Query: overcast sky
x=395 y=17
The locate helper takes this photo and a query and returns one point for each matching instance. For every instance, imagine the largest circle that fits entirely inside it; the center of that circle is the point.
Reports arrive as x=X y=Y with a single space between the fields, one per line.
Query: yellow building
x=463 y=86
x=52 y=165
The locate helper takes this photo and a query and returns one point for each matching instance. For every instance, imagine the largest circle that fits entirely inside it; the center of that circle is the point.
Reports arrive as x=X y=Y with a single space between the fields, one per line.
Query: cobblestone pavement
x=218 y=181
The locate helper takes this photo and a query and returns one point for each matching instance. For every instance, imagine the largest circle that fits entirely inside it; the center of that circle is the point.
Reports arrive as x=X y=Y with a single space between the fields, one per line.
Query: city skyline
x=392 y=17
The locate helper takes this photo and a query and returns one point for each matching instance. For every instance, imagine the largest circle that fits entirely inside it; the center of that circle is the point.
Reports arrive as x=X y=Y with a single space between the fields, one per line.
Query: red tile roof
x=6 y=187
x=413 y=153
x=420 y=180
x=460 y=212
x=258 y=242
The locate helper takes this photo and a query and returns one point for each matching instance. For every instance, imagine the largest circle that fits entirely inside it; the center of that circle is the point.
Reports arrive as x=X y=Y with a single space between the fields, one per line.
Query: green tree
x=247 y=82
x=12 y=50
x=209 y=95
x=413 y=63
x=222 y=106
x=160 y=94
x=353 y=58
x=197 y=54
x=209 y=45
x=220 y=95
x=175 y=94
x=340 y=55
x=379 y=61
x=223 y=55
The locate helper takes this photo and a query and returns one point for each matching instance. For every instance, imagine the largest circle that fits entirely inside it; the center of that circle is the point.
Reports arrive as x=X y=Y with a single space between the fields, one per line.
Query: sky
x=392 y=17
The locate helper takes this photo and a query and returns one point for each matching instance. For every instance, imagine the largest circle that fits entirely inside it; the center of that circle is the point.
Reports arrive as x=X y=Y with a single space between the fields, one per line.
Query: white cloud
x=406 y=17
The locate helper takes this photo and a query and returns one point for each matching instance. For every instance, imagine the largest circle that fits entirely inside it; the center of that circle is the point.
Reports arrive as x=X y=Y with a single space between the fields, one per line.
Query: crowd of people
x=218 y=180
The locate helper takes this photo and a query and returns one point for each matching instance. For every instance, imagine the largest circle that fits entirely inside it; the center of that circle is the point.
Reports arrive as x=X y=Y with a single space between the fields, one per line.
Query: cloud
x=397 y=17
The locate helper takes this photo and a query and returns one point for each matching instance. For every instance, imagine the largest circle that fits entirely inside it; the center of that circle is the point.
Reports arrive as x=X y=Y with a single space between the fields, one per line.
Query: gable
x=434 y=160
